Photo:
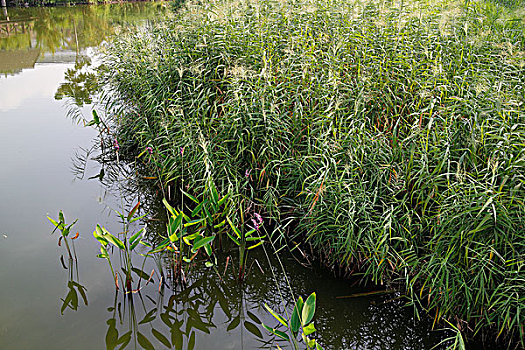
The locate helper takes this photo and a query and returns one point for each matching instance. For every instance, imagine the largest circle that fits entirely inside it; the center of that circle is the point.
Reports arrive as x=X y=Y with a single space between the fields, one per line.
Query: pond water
x=44 y=55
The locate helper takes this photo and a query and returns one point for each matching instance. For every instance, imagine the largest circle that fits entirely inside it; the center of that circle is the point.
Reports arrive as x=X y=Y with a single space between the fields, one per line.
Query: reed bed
x=388 y=135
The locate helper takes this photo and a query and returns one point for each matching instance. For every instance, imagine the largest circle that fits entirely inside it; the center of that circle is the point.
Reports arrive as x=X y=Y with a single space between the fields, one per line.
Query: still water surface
x=44 y=53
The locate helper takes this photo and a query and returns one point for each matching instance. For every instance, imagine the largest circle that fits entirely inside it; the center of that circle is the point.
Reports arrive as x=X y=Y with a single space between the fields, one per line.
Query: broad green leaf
x=278 y=317
x=295 y=320
x=318 y=347
x=309 y=329
x=280 y=334
x=308 y=309
x=208 y=264
x=201 y=242
x=117 y=242
x=249 y=233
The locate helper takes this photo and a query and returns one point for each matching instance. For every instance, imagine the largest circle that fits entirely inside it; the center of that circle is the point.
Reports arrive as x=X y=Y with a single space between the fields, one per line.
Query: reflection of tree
x=80 y=83
x=79 y=27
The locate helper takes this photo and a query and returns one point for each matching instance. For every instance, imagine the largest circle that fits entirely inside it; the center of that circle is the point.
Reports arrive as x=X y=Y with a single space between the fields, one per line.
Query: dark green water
x=45 y=54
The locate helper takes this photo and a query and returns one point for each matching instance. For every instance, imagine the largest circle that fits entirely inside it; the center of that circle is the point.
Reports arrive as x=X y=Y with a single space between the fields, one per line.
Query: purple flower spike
x=259 y=218
x=182 y=151
x=255 y=224
x=150 y=150
x=116 y=145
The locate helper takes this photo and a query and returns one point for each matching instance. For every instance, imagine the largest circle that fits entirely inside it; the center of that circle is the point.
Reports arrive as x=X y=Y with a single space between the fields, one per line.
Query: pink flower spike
x=182 y=151
x=255 y=224
x=116 y=145
x=150 y=150
x=259 y=218
x=247 y=173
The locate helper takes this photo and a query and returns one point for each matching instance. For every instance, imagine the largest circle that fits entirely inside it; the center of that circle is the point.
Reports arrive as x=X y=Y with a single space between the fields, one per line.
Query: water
x=44 y=56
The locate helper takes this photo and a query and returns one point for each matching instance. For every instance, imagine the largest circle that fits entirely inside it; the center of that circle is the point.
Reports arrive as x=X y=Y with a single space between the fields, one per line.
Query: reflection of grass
x=388 y=133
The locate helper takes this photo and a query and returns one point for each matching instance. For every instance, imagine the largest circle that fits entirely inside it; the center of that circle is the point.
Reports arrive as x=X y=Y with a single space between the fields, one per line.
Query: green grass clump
x=390 y=134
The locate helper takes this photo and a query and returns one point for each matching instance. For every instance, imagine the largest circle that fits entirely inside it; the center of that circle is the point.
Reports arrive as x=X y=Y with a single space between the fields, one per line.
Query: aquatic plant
x=301 y=320
x=125 y=248
x=64 y=233
x=388 y=136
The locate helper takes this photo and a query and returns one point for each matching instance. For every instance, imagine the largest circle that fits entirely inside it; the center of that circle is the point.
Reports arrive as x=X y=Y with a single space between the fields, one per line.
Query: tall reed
x=388 y=134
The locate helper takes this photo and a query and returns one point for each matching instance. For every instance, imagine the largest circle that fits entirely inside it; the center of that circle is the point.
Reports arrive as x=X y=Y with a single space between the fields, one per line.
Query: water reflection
x=61 y=34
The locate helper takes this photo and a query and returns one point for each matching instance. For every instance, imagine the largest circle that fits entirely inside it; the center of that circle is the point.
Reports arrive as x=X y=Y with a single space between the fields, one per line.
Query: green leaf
x=295 y=320
x=220 y=224
x=309 y=329
x=133 y=211
x=235 y=229
x=278 y=317
x=161 y=338
x=144 y=342
x=134 y=241
x=96 y=118
x=309 y=309
x=280 y=334
x=256 y=245
x=318 y=347
x=208 y=264
x=233 y=239
x=169 y=207
x=221 y=201
x=194 y=222
x=202 y=242
x=117 y=242
x=195 y=200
